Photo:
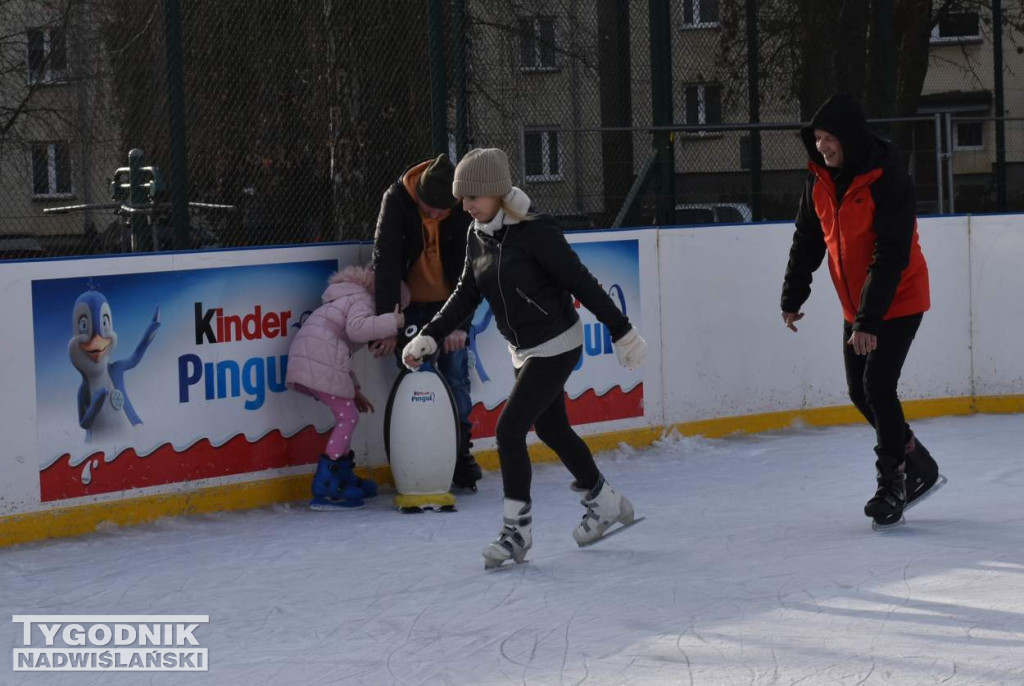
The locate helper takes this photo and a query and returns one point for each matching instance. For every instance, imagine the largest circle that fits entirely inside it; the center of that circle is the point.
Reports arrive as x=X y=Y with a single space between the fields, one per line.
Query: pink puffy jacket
x=320 y=358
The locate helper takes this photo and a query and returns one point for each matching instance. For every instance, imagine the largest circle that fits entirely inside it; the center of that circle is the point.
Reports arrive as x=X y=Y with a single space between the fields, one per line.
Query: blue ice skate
x=332 y=487
x=367 y=486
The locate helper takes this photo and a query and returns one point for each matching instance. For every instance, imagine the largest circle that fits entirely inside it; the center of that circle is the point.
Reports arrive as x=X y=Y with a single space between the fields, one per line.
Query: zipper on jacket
x=501 y=292
x=527 y=298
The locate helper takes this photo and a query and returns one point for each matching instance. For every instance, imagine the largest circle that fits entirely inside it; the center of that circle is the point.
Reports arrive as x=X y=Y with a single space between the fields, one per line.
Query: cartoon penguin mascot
x=104 y=410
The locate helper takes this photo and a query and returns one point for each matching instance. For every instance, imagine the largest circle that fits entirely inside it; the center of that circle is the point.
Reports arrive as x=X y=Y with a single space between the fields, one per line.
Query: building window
x=702 y=104
x=543 y=155
x=47 y=56
x=968 y=135
x=957 y=27
x=537 y=47
x=51 y=169
x=700 y=12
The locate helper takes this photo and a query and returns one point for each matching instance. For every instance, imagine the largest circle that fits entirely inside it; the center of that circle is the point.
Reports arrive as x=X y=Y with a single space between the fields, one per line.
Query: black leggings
x=538 y=399
x=872 y=379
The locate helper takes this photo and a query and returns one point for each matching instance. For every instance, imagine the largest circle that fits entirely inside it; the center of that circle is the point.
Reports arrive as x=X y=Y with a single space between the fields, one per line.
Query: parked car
x=713 y=213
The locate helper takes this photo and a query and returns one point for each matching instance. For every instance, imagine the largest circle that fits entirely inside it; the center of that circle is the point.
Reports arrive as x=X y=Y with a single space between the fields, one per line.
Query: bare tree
x=300 y=112
x=379 y=93
x=33 y=56
x=810 y=49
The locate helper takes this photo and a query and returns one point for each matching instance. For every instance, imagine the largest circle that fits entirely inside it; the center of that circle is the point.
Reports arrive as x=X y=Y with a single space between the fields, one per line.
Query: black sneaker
x=886 y=507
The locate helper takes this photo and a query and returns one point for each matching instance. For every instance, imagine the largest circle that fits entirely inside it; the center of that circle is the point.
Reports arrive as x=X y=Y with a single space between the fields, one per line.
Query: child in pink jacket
x=320 y=365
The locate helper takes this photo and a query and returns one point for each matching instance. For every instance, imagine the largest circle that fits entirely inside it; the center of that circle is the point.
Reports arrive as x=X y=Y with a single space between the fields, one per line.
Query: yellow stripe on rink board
x=425 y=501
x=999 y=404
x=771 y=421
x=81 y=519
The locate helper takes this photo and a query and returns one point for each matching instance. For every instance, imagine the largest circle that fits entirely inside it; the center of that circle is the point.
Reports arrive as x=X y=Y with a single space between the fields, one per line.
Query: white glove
x=416 y=349
x=631 y=349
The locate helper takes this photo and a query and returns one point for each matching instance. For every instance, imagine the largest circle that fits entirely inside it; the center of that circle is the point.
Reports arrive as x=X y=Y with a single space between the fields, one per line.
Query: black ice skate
x=887 y=505
x=923 y=477
x=467 y=471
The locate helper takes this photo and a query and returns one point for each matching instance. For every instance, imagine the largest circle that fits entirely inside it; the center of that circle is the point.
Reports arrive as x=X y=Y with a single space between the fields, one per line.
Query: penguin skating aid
x=421 y=437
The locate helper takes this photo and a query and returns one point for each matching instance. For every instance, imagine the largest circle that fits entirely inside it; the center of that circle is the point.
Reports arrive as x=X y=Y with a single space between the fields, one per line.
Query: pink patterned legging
x=346 y=416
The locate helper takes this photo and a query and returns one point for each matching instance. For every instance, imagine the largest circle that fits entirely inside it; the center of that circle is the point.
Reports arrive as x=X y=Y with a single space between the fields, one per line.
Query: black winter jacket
x=529 y=275
x=398 y=243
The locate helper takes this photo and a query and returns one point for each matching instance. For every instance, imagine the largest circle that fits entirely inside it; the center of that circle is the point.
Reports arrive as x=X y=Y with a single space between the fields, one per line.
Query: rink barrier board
x=981 y=370
x=84 y=519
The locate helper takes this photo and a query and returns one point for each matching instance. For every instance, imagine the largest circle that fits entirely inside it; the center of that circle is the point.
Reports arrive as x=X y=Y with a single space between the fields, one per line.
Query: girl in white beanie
x=522 y=264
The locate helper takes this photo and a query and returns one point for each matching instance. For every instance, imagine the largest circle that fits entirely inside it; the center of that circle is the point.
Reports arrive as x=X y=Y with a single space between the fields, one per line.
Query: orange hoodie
x=426 y=277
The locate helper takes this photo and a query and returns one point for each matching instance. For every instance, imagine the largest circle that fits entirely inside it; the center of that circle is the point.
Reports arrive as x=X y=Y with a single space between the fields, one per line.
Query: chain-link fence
x=298 y=115
x=279 y=98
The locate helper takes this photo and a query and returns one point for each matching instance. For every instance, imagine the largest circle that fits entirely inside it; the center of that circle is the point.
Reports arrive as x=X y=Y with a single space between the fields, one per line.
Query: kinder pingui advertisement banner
x=600 y=389
x=163 y=377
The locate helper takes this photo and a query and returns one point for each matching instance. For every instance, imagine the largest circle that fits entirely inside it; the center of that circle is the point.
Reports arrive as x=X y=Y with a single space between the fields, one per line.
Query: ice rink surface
x=755 y=566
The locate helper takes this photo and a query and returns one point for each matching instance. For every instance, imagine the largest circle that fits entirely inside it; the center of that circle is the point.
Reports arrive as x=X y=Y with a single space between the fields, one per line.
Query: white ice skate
x=515 y=538
x=605 y=508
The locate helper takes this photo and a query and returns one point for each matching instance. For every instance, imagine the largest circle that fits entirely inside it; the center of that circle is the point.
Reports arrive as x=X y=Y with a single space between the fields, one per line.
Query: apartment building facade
x=60 y=130
x=541 y=88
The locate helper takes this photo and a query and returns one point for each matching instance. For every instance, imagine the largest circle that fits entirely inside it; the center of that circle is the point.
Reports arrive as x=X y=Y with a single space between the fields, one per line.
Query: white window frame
x=51 y=170
x=49 y=75
x=545 y=154
x=697 y=22
x=936 y=39
x=956 y=136
x=535 y=21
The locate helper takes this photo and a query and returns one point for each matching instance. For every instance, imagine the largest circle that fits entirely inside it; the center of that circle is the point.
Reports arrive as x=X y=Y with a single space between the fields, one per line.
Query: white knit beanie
x=482 y=172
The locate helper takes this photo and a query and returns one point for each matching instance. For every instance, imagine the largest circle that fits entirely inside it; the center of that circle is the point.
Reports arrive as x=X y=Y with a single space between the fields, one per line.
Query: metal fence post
x=997 y=62
x=438 y=84
x=755 y=112
x=660 y=20
x=178 y=161
x=938 y=162
x=459 y=67
x=574 y=98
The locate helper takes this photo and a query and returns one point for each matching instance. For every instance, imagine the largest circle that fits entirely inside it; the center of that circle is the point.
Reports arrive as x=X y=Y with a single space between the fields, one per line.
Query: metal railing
x=711 y=167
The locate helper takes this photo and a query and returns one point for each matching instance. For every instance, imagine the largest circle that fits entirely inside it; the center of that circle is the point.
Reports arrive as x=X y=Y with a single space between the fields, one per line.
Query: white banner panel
x=727 y=352
x=997 y=285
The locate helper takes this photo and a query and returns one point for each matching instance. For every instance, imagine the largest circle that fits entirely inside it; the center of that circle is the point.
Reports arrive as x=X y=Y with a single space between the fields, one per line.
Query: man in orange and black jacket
x=421 y=239
x=858 y=207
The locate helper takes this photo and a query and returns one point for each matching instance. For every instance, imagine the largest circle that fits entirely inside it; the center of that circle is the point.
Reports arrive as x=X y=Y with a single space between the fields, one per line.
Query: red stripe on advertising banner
x=165 y=465
x=588 y=408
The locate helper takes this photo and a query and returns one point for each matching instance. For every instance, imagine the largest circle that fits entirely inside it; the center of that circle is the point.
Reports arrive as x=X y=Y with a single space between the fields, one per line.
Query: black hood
x=843 y=118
